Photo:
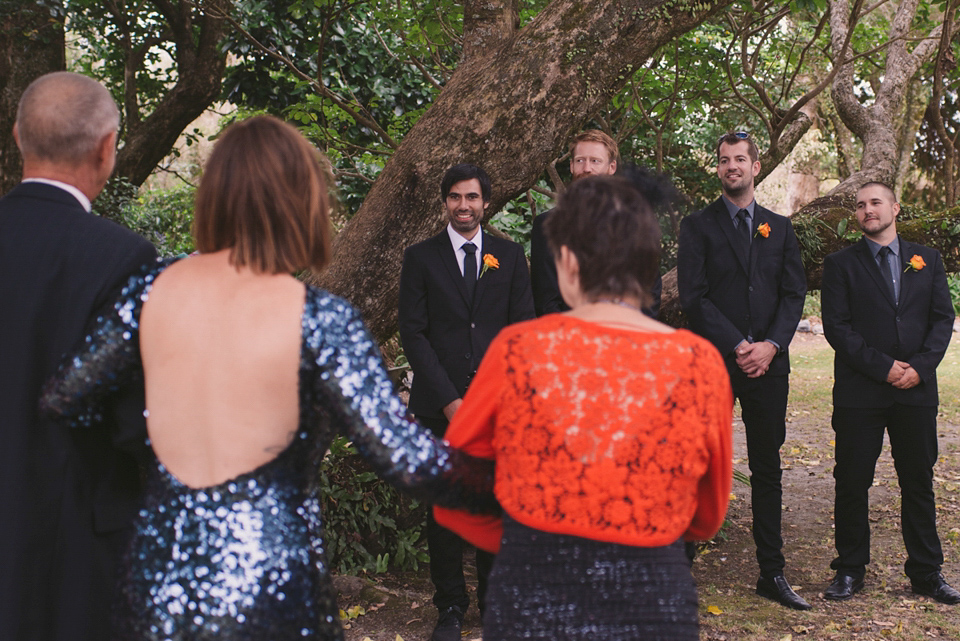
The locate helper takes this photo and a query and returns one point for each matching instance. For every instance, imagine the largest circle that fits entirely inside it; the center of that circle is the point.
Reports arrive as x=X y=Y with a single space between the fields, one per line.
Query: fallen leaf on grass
x=714 y=610
x=786 y=637
x=800 y=629
x=399 y=638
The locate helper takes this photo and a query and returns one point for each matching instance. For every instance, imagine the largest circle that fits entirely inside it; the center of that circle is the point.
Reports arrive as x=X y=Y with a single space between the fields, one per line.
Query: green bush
x=953 y=280
x=370 y=526
x=164 y=217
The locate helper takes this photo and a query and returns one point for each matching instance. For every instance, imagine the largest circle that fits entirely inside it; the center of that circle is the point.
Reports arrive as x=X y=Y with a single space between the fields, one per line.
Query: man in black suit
x=592 y=153
x=887 y=313
x=458 y=289
x=66 y=496
x=742 y=285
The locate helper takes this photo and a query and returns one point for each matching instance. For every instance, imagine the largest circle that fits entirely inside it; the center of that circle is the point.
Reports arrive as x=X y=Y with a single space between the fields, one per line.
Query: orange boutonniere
x=489 y=262
x=916 y=263
x=763 y=230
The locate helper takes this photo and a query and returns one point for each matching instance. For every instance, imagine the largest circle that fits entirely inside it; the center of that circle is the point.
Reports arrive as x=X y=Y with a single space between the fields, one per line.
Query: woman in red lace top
x=612 y=439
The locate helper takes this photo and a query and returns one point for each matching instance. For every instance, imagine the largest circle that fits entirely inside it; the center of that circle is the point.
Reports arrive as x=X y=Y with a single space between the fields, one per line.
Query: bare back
x=221 y=351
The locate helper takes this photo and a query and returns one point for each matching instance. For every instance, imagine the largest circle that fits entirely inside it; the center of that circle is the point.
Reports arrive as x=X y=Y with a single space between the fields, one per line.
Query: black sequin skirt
x=554 y=586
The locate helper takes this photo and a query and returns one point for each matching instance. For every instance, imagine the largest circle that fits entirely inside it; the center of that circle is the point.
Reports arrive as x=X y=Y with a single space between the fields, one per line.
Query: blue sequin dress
x=246 y=559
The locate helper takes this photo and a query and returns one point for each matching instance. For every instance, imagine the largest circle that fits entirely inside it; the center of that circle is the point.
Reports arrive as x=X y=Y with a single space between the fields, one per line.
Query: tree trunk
x=31 y=44
x=510 y=111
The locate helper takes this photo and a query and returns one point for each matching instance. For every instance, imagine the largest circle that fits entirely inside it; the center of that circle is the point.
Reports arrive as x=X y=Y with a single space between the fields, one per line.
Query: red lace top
x=610 y=434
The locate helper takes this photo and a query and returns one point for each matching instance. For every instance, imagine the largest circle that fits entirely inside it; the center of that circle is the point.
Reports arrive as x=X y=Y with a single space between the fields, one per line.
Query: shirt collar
x=459 y=241
x=875 y=247
x=70 y=189
x=733 y=209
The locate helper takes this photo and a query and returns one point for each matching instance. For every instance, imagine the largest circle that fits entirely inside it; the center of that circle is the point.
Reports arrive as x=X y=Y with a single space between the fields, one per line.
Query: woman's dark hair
x=614 y=234
x=264 y=195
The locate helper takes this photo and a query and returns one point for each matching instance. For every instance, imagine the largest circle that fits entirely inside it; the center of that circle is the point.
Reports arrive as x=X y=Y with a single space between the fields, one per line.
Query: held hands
x=451 y=408
x=902 y=376
x=754 y=358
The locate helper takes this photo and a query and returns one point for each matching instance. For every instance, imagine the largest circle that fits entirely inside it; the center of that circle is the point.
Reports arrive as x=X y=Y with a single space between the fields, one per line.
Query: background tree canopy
x=395 y=92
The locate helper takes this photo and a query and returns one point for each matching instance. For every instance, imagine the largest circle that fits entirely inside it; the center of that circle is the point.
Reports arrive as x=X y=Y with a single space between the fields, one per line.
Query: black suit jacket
x=444 y=334
x=543 y=276
x=64 y=495
x=728 y=296
x=869 y=330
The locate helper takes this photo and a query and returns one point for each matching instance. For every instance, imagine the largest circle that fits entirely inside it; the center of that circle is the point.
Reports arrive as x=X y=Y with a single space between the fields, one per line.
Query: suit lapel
x=722 y=218
x=870 y=264
x=906 y=251
x=488 y=248
x=449 y=259
x=760 y=216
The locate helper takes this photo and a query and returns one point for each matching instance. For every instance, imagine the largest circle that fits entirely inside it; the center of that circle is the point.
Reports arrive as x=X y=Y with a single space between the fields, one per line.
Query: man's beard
x=736 y=190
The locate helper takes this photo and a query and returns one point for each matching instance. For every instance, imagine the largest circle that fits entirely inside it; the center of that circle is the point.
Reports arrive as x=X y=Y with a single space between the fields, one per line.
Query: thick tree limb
x=200 y=67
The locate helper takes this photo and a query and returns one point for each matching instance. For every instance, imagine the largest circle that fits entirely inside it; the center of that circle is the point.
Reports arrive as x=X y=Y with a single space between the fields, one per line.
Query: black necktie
x=743 y=226
x=470 y=267
x=882 y=256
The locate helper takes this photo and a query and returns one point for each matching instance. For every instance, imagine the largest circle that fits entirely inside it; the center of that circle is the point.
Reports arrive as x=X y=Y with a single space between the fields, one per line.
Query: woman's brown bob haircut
x=614 y=234
x=264 y=195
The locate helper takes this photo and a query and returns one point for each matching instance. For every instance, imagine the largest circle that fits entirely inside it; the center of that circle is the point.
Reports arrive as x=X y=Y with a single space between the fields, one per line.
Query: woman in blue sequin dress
x=248 y=377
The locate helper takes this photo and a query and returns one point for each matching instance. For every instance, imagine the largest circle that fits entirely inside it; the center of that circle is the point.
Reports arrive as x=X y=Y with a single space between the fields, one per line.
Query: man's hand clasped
x=754 y=358
x=902 y=376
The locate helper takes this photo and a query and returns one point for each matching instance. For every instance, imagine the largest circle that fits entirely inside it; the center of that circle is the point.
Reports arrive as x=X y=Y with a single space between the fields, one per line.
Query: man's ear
x=16 y=137
x=105 y=154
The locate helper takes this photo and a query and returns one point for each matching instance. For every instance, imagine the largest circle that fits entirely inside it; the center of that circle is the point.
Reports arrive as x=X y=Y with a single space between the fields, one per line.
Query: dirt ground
x=397 y=607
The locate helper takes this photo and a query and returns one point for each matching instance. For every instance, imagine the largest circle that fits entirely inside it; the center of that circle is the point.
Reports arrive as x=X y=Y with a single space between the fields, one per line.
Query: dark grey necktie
x=743 y=227
x=470 y=267
x=882 y=257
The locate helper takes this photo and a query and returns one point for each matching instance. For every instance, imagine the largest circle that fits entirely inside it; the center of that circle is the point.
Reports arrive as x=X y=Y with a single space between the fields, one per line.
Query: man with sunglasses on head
x=742 y=286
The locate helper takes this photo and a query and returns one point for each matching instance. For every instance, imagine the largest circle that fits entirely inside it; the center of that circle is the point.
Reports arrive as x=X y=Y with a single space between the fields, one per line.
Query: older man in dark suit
x=65 y=498
x=458 y=289
x=742 y=286
x=887 y=313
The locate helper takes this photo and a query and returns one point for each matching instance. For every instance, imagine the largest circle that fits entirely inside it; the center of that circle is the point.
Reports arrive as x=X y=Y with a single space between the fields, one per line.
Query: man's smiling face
x=736 y=169
x=464 y=207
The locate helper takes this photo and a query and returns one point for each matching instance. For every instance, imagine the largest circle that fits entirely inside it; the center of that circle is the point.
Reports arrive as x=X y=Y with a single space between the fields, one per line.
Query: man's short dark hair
x=734 y=138
x=877 y=183
x=465 y=171
x=613 y=232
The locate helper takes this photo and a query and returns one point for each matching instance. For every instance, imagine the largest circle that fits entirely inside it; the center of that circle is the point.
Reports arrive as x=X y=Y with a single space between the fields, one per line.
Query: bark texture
x=31 y=44
x=510 y=111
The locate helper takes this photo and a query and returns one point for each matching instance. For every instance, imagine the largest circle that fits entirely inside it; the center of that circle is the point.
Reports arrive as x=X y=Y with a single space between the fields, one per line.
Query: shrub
x=370 y=526
x=163 y=217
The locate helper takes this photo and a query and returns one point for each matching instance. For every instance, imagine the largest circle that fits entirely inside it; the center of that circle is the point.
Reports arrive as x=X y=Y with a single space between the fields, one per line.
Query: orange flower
x=489 y=262
x=763 y=230
x=916 y=263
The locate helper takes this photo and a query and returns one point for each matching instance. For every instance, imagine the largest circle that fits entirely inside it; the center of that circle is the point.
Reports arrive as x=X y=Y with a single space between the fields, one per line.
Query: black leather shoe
x=843 y=587
x=777 y=589
x=935 y=587
x=449 y=623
